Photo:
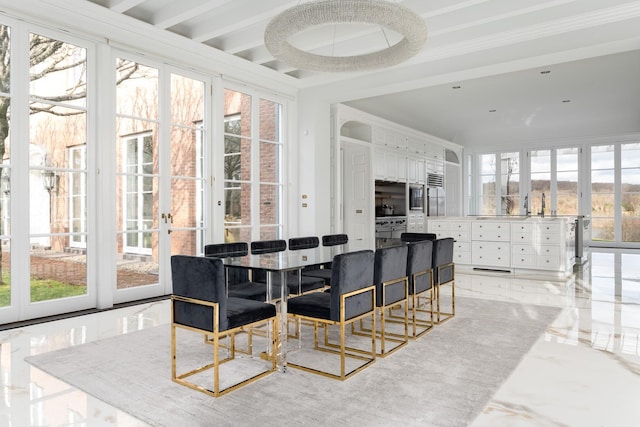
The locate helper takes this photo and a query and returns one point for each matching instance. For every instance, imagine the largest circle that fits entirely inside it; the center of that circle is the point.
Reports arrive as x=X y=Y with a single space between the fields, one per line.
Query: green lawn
x=41 y=290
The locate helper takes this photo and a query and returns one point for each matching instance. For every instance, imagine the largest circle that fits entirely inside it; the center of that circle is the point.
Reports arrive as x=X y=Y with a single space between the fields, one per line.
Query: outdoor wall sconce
x=49 y=179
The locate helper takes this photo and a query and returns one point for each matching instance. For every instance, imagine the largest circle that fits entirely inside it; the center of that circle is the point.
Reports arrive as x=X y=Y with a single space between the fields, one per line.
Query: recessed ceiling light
x=545 y=72
x=455 y=87
x=492 y=111
x=566 y=101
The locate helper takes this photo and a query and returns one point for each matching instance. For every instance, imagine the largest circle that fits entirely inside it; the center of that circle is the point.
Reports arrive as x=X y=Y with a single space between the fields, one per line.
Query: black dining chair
x=443 y=274
x=239 y=280
x=296 y=284
x=392 y=287
x=199 y=304
x=324 y=272
x=420 y=274
x=417 y=237
x=352 y=297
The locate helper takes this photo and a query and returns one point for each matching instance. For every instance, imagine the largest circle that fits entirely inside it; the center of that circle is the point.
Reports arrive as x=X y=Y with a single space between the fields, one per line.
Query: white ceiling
x=495 y=50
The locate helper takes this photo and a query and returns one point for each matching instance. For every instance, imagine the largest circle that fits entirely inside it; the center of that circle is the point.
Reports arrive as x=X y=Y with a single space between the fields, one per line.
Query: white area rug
x=444 y=378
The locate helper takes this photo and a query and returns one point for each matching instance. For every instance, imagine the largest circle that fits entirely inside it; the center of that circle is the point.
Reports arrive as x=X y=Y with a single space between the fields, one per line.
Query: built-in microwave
x=416 y=197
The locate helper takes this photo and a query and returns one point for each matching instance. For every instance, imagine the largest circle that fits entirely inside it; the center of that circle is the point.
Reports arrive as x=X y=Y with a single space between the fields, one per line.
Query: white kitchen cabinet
x=415 y=223
x=533 y=245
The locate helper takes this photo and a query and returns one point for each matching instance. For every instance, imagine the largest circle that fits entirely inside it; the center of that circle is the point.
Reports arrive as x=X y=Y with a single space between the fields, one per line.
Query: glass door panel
x=603 y=193
x=57 y=129
x=630 y=186
x=186 y=216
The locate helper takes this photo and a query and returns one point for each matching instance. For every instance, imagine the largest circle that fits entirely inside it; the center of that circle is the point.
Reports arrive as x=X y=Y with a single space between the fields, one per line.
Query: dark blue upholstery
x=390 y=264
x=417 y=237
x=239 y=285
x=419 y=258
x=443 y=255
x=268 y=246
x=351 y=271
x=334 y=239
x=297 y=243
x=203 y=279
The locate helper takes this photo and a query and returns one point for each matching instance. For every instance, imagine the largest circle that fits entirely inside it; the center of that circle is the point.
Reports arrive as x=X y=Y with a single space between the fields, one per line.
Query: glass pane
x=510 y=184
x=136 y=269
x=237 y=234
x=5 y=60
x=187 y=101
x=269 y=204
x=487 y=164
x=631 y=179
x=5 y=272
x=567 y=193
x=237 y=204
x=186 y=203
x=567 y=159
x=54 y=130
x=602 y=205
x=237 y=113
x=187 y=242
x=269 y=233
x=487 y=197
x=237 y=158
x=54 y=273
x=602 y=157
x=540 y=161
x=137 y=151
x=269 y=162
x=186 y=152
x=630 y=155
x=602 y=229
x=270 y=126
x=602 y=181
x=58 y=71
x=137 y=90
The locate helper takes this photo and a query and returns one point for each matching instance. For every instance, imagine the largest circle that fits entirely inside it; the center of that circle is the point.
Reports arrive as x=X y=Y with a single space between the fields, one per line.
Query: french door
x=160 y=174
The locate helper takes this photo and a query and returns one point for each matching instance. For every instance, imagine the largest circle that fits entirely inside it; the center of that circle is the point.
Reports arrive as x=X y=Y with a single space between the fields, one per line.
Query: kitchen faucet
x=526 y=205
x=543 y=206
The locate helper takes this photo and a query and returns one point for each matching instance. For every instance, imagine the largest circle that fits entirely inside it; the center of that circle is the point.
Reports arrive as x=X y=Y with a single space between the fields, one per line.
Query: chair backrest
x=268 y=246
x=230 y=250
x=349 y=272
x=297 y=243
x=226 y=250
x=334 y=239
x=389 y=264
x=200 y=278
x=419 y=258
x=417 y=237
x=442 y=255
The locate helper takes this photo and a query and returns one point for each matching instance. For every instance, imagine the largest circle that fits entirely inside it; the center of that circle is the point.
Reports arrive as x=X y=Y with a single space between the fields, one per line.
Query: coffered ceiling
x=530 y=67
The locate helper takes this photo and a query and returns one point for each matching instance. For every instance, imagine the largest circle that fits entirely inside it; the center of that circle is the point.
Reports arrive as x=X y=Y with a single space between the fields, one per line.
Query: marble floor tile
x=583 y=371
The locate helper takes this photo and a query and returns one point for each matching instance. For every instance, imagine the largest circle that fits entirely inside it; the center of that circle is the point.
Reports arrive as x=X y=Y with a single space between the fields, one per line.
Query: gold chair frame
x=384 y=336
x=442 y=316
x=416 y=307
x=341 y=349
x=213 y=337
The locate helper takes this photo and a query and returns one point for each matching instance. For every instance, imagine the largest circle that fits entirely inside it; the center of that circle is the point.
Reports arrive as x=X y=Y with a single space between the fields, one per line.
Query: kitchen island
x=511 y=244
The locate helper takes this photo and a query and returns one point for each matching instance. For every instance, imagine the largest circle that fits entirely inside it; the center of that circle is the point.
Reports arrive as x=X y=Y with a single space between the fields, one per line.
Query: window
x=487 y=195
x=630 y=187
x=603 y=193
x=252 y=168
x=78 y=196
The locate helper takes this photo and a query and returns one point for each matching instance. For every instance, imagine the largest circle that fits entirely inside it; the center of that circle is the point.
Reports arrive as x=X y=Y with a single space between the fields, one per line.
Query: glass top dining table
x=283 y=263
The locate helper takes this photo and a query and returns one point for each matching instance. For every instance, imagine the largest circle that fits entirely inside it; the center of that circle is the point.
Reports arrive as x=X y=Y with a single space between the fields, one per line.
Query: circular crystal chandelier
x=321 y=12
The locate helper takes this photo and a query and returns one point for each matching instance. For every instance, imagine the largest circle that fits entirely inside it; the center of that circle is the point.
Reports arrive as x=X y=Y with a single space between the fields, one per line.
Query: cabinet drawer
x=521 y=237
x=459 y=246
x=518 y=250
x=546 y=238
x=549 y=228
x=550 y=250
x=524 y=260
x=492 y=254
x=462 y=257
x=548 y=261
x=460 y=235
x=462 y=227
x=522 y=227
x=435 y=226
x=491 y=231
